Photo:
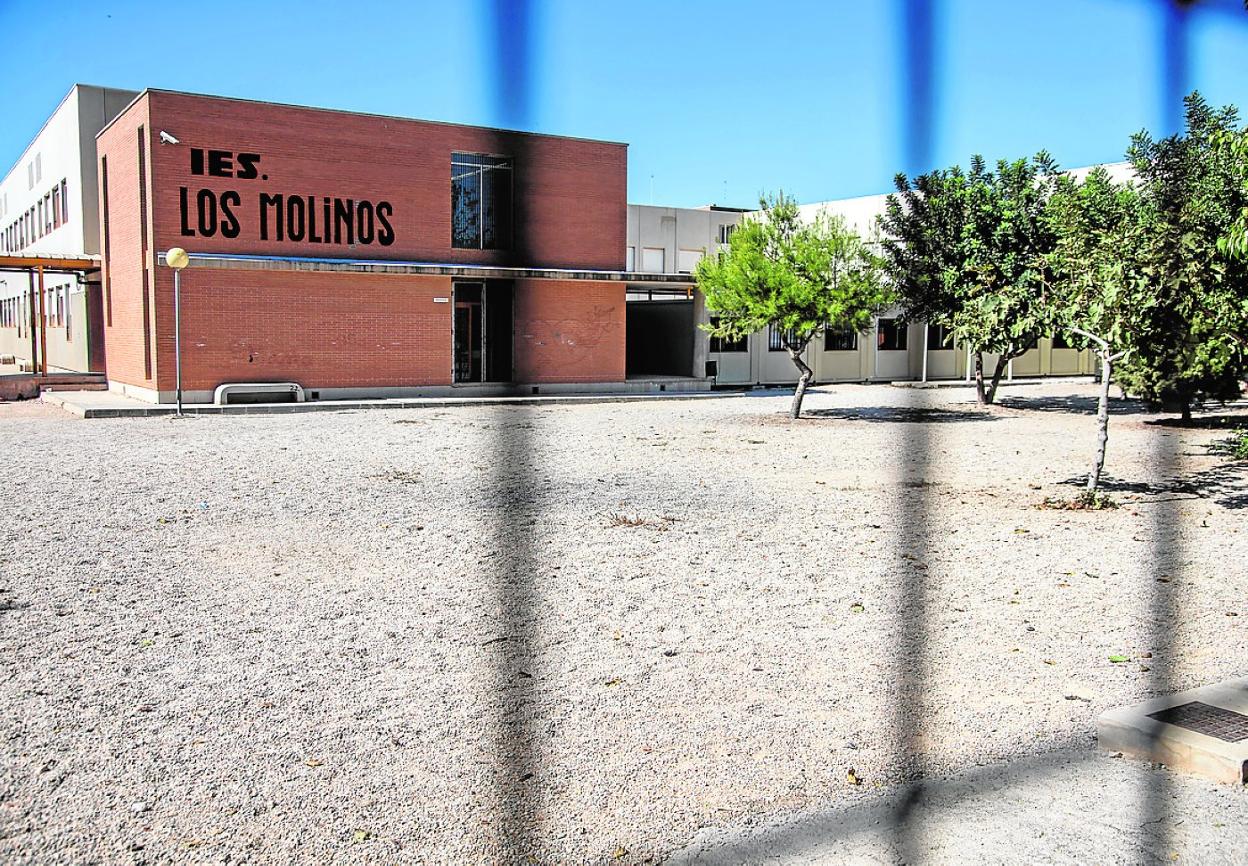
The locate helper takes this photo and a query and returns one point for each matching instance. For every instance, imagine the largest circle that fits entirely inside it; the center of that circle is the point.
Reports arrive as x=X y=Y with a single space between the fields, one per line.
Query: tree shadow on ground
x=898 y=415
x=1073 y=405
x=1205 y=422
x=1225 y=484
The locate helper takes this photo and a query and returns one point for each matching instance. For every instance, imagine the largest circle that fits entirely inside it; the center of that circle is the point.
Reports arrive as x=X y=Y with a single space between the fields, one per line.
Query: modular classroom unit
x=890 y=351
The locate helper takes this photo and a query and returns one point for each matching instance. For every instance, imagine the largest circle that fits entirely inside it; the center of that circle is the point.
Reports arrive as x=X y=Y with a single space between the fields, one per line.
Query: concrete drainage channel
x=1201 y=731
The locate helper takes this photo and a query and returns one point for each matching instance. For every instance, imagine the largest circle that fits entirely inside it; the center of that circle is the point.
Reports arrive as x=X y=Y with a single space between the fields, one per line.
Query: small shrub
x=1087 y=500
x=1237 y=445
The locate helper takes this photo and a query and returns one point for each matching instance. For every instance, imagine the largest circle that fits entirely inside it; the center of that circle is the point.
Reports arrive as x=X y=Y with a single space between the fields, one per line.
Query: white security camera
x=166 y=138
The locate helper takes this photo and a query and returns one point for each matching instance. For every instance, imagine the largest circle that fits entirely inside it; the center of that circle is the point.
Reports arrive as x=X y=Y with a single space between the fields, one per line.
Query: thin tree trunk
x=1102 y=424
x=1003 y=362
x=803 y=380
x=980 y=396
x=1186 y=411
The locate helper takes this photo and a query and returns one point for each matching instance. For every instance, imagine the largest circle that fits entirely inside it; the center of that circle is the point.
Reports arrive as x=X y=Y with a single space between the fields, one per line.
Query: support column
x=701 y=339
x=33 y=316
x=43 y=323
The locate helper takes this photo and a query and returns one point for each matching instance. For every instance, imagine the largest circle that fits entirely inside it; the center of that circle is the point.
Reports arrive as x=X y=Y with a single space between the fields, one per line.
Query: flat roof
x=233 y=261
x=349 y=112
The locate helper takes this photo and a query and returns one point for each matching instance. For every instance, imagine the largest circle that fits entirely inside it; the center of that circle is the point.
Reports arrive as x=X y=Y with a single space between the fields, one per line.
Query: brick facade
x=337 y=330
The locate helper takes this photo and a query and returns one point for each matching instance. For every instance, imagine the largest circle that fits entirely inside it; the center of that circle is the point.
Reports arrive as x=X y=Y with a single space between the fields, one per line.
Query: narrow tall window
x=64 y=201
x=56 y=207
x=147 y=301
x=481 y=199
x=108 y=257
x=143 y=193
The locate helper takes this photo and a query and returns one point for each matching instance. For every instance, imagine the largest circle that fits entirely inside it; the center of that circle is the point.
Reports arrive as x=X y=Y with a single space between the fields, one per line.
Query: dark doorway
x=482 y=331
x=659 y=337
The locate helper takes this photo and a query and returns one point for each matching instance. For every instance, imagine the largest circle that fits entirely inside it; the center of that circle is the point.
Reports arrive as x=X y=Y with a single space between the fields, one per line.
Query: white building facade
x=49 y=206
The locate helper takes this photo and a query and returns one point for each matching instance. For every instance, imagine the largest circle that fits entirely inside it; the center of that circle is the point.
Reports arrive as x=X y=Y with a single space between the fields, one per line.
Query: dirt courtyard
x=579 y=633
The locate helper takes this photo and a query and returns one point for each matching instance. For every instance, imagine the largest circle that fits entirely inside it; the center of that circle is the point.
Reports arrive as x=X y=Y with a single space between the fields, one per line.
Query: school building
x=350 y=255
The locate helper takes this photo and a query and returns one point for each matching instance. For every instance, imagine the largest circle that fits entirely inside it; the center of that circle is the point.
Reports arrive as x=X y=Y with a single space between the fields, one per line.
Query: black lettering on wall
x=184 y=208
x=197 y=160
x=313 y=237
x=344 y=215
x=206 y=204
x=296 y=218
x=385 y=232
x=220 y=163
x=229 y=221
x=275 y=203
x=247 y=166
x=364 y=222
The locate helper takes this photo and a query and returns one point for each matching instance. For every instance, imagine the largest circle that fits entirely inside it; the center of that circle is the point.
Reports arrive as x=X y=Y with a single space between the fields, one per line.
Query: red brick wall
x=351 y=330
x=318 y=329
x=569 y=331
x=570 y=194
x=123 y=282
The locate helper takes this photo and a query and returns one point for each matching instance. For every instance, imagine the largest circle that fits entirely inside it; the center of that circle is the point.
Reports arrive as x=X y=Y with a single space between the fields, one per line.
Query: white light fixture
x=166 y=138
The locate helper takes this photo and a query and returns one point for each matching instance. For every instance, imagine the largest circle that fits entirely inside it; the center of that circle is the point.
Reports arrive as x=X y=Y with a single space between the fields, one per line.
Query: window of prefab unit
x=481 y=193
x=778 y=338
x=725 y=233
x=727 y=344
x=939 y=337
x=841 y=339
x=687 y=260
x=891 y=335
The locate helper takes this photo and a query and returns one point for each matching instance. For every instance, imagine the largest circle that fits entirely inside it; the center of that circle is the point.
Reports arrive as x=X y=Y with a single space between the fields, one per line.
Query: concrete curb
x=962 y=383
x=66 y=403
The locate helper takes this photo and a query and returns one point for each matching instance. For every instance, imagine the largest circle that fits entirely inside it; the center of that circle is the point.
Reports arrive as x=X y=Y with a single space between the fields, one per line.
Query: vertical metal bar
x=177 y=333
x=43 y=324
x=484 y=377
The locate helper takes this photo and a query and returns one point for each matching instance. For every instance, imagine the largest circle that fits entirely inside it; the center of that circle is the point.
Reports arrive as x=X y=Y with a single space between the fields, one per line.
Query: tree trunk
x=1003 y=362
x=980 y=396
x=1102 y=424
x=1187 y=411
x=803 y=380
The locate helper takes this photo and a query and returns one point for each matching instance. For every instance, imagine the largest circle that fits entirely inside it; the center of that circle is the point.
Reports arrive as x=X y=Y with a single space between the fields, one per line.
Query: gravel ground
x=577 y=633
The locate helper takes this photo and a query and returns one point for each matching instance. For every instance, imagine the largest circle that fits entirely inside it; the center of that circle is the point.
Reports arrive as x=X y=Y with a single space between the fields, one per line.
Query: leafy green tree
x=968 y=250
x=1192 y=346
x=1233 y=147
x=797 y=277
x=1099 y=294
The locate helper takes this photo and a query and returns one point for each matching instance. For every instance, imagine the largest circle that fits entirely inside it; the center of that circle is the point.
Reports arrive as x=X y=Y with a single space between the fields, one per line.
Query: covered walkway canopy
x=36 y=267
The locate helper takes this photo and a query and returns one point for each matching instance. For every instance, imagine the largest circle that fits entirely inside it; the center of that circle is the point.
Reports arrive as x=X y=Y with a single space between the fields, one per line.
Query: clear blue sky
x=718 y=100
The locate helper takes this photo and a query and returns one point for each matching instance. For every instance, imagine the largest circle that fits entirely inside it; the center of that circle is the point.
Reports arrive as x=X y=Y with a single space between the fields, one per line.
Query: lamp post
x=177 y=259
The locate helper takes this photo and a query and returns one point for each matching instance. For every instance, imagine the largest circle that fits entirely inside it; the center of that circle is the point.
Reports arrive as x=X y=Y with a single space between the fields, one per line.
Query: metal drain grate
x=1206 y=719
